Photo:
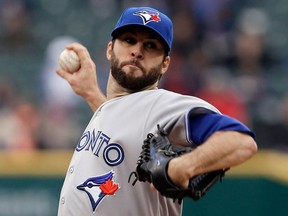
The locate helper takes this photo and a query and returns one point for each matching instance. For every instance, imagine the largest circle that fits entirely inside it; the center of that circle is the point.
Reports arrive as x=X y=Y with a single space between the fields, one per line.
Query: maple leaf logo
x=109 y=187
x=155 y=17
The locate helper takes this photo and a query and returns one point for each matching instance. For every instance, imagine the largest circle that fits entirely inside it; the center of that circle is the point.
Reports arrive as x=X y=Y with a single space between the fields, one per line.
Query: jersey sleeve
x=202 y=125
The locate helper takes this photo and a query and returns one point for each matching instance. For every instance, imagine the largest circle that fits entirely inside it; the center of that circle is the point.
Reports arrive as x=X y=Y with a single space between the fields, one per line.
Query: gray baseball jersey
x=96 y=182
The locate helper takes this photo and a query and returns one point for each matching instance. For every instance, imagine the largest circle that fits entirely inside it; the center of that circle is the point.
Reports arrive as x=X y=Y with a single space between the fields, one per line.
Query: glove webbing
x=145 y=154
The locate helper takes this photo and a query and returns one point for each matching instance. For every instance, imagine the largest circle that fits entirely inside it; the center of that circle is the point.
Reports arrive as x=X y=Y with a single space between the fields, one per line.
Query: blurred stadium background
x=232 y=53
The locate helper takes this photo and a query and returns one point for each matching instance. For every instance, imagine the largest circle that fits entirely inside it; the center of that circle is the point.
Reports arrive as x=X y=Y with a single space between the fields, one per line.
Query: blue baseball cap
x=150 y=18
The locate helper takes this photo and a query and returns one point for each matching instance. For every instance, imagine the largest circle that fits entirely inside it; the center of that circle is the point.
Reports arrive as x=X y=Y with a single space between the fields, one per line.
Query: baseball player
x=96 y=182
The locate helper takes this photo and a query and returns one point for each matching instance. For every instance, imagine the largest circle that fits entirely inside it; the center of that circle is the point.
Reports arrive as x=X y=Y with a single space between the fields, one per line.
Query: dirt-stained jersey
x=96 y=182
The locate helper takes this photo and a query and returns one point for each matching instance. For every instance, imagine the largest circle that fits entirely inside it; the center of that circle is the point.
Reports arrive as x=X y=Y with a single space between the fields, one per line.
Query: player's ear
x=165 y=65
x=109 y=50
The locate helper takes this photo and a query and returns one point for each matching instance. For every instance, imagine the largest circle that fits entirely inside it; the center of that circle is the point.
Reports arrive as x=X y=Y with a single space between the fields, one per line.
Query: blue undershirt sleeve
x=201 y=126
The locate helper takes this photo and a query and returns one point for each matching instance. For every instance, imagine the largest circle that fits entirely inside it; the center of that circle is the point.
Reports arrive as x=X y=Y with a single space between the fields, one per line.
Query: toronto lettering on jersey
x=98 y=143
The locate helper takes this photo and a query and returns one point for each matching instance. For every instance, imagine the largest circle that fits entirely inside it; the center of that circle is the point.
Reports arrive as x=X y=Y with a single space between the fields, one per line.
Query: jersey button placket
x=71 y=169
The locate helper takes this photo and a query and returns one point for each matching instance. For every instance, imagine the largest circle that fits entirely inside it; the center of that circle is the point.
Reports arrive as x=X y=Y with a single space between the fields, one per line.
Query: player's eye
x=150 y=45
x=129 y=40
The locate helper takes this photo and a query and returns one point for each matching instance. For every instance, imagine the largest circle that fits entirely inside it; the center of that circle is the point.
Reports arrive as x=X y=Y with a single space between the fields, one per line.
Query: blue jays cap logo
x=98 y=187
x=148 y=16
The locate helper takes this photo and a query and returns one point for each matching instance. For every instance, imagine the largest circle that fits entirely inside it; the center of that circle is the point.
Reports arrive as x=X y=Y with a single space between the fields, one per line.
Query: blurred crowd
x=228 y=52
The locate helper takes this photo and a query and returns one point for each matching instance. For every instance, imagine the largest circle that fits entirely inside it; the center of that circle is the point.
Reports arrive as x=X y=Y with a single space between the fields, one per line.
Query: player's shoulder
x=170 y=96
x=165 y=98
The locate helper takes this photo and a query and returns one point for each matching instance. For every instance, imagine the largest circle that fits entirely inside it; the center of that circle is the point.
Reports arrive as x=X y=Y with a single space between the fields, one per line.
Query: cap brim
x=124 y=28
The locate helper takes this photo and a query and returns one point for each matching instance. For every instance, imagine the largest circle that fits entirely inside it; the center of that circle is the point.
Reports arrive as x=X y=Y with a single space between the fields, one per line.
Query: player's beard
x=129 y=81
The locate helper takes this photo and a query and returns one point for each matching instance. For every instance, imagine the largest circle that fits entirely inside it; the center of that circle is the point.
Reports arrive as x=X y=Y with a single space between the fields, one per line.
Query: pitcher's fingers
x=81 y=50
x=64 y=74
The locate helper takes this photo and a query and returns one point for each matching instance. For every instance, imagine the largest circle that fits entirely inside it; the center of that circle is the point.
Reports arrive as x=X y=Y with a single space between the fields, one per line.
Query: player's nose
x=137 y=50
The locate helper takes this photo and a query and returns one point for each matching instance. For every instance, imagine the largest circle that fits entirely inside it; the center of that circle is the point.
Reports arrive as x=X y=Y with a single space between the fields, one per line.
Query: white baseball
x=69 y=61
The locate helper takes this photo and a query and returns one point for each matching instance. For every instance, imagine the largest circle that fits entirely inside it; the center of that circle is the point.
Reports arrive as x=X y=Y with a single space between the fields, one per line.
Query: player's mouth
x=133 y=66
x=133 y=63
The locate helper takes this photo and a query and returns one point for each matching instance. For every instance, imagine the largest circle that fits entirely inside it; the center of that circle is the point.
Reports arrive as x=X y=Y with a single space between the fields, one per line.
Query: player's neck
x=115 y=90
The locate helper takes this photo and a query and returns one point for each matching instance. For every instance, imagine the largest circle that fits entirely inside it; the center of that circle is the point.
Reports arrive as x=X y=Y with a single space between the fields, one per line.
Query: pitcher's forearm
x=222 y=150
